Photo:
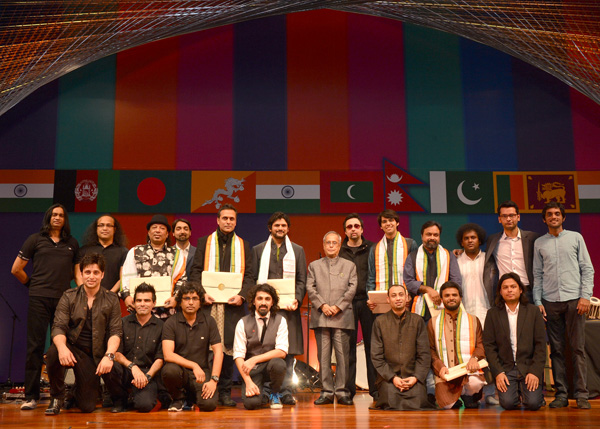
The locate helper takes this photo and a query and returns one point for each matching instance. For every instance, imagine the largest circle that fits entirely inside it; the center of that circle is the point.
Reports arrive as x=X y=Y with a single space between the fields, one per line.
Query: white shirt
x=509 y=257
x=475 y=297
x=240 y=341
x=512 y=325
x=184 y=252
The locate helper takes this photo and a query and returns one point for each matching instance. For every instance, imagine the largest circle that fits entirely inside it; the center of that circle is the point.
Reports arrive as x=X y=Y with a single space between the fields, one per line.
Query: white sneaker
x=491 y=400
x=29 y=405
x=275 y=399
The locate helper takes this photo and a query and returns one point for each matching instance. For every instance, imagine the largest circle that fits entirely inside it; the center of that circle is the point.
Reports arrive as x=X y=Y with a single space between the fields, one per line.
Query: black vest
x=253 y=344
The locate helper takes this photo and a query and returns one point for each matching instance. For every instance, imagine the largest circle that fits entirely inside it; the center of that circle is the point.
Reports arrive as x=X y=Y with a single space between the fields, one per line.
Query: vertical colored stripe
x=317 y=91
x=28 y=131
x=517 y=190
x=108 y=191
x=490 y=142
x=586 y=129
x=64 y=188
x=205 y=100
x=260 y=129
x=376 y=104
x=86 y=116
x=503 y=187
x=588 y=226
x=543 y=120
x=433 y=100
x=146 y=106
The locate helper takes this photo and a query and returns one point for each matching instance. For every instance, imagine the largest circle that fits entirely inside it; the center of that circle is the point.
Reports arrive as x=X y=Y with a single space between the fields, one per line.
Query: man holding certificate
x=223 y=264
x=285 y=262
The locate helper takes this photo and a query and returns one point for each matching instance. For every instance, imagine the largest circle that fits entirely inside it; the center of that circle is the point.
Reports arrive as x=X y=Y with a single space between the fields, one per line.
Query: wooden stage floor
x=305 y=415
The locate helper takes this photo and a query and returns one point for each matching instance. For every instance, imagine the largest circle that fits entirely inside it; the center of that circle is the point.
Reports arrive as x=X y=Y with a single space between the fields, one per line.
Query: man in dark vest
x=260 y=347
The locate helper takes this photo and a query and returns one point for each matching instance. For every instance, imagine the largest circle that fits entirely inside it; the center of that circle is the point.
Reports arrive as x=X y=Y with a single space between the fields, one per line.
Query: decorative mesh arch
x=42 y=40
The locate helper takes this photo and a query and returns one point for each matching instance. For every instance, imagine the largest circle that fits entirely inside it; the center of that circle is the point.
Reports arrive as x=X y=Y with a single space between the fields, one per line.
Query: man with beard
x=224 y=251
x=510 y=250
x=515 y=346
x=455 y=337
x=331 y=285
x=156 y=258
x=53 y=253
x=140 y=354
x=187 y=336
x=85 y=336
x=260 y=347
x=279 y=258
x=182 y=231
x=400 y=354
x=428 y=267
x=564 y=283
x=105 y=236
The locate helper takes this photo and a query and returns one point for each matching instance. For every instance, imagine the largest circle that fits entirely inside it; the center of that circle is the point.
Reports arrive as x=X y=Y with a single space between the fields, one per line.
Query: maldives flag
x=351 y=191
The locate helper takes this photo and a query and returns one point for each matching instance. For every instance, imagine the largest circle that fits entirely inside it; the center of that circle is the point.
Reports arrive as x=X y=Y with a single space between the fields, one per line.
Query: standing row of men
x=392 y=261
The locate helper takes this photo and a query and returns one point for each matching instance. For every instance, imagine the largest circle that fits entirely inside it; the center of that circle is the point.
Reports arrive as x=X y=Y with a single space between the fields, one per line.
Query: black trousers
x=272 y=371
x=144 y=399
x=87 y=383
x=177 y=379
x=509 y=400
x=226 y=377
x=563 y=322
x=40 y=315
x=363 y=314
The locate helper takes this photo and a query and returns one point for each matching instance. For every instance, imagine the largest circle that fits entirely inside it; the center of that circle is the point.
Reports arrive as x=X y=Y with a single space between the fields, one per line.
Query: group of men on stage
x=452 y=313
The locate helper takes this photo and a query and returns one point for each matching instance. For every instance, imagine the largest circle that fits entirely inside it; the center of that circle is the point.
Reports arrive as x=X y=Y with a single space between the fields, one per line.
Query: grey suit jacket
x=332 y=282
x=490 y=269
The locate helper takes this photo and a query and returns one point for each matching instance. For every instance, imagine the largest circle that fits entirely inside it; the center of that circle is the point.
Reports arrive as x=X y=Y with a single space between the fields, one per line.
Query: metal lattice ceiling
x=41 y=40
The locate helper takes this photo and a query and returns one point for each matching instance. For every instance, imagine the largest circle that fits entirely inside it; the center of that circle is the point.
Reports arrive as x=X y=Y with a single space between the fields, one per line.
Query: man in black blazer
x=515 y=345
x=509 y=250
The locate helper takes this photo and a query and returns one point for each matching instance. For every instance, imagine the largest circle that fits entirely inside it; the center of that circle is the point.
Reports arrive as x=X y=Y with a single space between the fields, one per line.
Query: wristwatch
x=149 y=377
x=214 y=378
x=130 y=366
x=110 y=356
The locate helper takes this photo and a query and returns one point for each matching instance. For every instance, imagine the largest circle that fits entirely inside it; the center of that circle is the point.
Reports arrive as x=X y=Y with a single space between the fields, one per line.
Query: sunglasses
x=356 y=226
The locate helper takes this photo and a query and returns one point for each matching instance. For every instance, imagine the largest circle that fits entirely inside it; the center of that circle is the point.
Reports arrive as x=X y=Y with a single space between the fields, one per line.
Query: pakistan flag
x=461 y=192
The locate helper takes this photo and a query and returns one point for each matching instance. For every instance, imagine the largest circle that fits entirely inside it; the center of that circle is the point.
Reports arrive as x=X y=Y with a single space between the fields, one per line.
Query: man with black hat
x=154 y=259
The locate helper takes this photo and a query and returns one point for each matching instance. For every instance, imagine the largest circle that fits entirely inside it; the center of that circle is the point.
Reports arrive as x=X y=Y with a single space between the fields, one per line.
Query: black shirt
x=142 y=345
x=192 y=342
x=52 y=264
x=113 y=255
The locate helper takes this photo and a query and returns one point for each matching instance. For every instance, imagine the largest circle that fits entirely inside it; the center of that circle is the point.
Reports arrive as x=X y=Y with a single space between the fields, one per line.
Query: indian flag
x=588 y=188
x=288 y=191
x=26 y=190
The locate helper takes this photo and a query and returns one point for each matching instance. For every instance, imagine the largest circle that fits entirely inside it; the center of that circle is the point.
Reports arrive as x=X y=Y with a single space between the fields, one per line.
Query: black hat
x=160 y=219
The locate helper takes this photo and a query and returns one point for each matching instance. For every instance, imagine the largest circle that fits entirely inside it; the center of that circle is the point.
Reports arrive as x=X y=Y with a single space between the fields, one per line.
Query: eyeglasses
x=509 y=216
x=190 y=298
x=105 y=225
x=355 y=226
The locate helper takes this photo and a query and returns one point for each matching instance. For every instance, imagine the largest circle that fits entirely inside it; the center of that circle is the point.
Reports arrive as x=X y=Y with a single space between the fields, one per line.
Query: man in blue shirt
x=563 y=285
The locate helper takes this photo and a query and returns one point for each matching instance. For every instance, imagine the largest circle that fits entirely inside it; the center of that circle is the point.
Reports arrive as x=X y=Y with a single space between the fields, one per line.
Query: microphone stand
x=12 y=339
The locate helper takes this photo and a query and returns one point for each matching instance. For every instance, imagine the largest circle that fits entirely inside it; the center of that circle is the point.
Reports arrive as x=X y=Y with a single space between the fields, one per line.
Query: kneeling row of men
x=89 y=335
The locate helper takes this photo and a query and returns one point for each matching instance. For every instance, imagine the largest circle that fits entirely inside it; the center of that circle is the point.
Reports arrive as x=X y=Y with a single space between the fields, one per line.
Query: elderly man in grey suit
x=509 y=251
x=331 y=285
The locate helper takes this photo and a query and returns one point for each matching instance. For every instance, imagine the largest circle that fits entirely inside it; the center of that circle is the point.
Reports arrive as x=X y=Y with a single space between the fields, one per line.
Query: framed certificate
x=162 y=286
x=379 y=297
x=222 y=286
x=286 y=289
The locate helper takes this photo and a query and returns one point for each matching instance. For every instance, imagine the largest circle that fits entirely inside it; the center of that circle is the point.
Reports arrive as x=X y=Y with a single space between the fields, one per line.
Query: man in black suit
x=515 y=345
x=509 y=251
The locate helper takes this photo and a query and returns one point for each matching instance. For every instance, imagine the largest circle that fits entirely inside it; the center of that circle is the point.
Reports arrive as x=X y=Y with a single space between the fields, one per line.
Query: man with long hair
x=515 y=345
x=105 y=236
x=53 y=252
x=260 y=347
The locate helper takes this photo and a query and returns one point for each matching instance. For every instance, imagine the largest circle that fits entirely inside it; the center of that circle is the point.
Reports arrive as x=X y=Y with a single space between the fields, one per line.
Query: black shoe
x=583 y=403
x=117 y=407
x=470 y=401
x=375 y=396
x=54 y=407
x=323 y=400
x=288 y=399
x=345 y=400
x=559 y=403
x=226 y=401
x=68 y=403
